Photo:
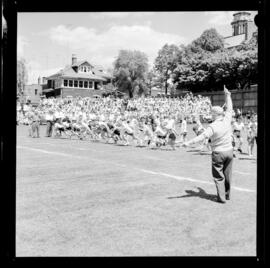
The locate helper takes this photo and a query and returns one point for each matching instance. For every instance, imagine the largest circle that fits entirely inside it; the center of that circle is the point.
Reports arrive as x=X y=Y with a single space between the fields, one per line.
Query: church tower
x=243 y=24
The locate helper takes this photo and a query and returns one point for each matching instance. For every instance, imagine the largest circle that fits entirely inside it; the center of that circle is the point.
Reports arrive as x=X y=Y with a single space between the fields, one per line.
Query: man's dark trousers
x=222 y=173
x=49 y=128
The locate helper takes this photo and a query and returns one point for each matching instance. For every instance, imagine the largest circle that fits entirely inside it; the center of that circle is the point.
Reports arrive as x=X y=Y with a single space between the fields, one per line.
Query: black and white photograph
x=136 y=133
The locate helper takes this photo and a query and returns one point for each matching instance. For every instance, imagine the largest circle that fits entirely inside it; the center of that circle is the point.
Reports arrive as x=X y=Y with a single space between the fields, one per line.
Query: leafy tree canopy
x=205 y=65
x=210 y=41
x=166 y=62
x=22 y=76
x=130 y=69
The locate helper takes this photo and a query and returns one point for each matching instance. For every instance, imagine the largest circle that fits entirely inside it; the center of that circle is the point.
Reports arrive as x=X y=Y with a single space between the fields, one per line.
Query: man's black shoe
x=221 y=201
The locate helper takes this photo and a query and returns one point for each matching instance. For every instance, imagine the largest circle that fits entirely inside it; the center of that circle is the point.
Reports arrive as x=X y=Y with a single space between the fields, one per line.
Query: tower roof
x=242 y=12
x=241 y=16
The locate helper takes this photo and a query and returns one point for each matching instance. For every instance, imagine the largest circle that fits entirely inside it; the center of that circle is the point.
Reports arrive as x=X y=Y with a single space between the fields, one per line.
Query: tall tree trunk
x=166 y=83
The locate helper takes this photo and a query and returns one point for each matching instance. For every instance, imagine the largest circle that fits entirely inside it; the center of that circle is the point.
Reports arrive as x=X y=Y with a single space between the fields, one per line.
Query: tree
x=205 y=65
x=22 y=76
x=152 y=80
x=210 y=40
x=130 y=69
x=166 y=62
x=230 y=67
x=192 y=70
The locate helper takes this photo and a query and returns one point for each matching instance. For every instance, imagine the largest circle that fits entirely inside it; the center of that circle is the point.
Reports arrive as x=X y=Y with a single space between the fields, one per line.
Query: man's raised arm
x=228 y=100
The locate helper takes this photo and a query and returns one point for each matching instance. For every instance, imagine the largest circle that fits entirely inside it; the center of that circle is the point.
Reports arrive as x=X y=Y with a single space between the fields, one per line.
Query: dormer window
x=85 y=69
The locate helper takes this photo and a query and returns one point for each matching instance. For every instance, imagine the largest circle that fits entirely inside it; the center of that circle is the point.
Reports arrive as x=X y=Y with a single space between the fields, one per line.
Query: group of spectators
x=189 y=106
x=181 y=111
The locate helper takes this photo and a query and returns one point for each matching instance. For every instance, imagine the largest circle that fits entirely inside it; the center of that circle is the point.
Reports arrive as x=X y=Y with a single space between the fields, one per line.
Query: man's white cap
x=217 y=110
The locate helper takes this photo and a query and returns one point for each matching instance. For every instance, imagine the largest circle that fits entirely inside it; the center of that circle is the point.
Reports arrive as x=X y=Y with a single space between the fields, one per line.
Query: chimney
x=74 y=59
x=39 y=80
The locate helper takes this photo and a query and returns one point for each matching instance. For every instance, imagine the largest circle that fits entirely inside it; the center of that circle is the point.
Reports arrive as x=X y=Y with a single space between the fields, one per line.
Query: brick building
x=80 y=78
x=32 y=93
x=243 y=29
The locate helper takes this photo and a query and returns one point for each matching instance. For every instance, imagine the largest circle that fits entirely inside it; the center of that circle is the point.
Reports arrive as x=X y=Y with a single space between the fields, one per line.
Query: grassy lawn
x=82 y=198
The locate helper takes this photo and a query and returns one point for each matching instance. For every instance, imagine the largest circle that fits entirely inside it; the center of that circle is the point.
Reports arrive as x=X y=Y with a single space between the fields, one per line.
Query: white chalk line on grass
x=242 y=173
x=47 y=152
x=99 y=151
x=68 y=155
x=180 y=178
x=68 y=146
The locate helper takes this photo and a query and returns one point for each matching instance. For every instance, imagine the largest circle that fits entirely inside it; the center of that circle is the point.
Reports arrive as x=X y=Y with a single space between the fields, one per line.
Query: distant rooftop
x=96 y=73
x=241 y=16
x=233 y=41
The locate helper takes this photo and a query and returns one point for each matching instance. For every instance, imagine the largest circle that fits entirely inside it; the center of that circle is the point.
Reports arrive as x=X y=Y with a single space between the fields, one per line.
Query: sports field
x=82 y=198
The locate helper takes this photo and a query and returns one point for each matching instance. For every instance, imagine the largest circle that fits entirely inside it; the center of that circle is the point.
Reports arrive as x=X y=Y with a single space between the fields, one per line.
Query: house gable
x=79 y=70
x=84 y=67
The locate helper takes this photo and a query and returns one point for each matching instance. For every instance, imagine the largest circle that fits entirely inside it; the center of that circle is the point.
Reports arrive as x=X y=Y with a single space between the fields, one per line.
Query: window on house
x=85 y=69
x=90 y=84
x=80 y=83
x=75 y=83
x=70 y=83
x=85 y=85
x=65 y=83
x=36 y=91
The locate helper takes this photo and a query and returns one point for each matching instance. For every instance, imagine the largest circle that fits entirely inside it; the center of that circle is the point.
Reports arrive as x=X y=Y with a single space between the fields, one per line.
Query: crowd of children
x=146 y=121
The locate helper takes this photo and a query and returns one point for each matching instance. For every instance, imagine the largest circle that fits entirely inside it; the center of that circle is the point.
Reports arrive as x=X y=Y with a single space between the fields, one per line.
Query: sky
x=47 y=40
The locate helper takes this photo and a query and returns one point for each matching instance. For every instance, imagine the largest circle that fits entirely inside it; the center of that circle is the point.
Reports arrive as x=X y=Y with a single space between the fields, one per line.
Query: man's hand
x=226 y=91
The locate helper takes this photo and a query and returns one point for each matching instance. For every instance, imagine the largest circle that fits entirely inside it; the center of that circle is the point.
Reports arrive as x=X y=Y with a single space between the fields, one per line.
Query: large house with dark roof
x=243 y=28
x=81 y=78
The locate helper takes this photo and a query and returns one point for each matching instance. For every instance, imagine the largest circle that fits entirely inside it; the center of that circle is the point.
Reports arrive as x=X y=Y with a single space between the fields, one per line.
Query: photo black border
x=8 y=115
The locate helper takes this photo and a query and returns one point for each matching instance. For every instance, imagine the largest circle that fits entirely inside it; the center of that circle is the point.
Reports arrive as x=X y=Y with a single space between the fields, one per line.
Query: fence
x=245 y=100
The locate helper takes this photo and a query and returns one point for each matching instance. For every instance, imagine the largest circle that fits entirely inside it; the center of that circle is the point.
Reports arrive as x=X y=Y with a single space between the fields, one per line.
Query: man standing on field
x=220 y=133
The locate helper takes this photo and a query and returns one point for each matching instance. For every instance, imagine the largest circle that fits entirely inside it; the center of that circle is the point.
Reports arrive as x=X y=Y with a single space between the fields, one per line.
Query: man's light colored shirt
x=220 y=133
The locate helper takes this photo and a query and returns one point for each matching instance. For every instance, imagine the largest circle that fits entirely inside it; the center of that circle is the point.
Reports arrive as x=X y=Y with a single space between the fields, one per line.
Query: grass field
x=82 y=198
